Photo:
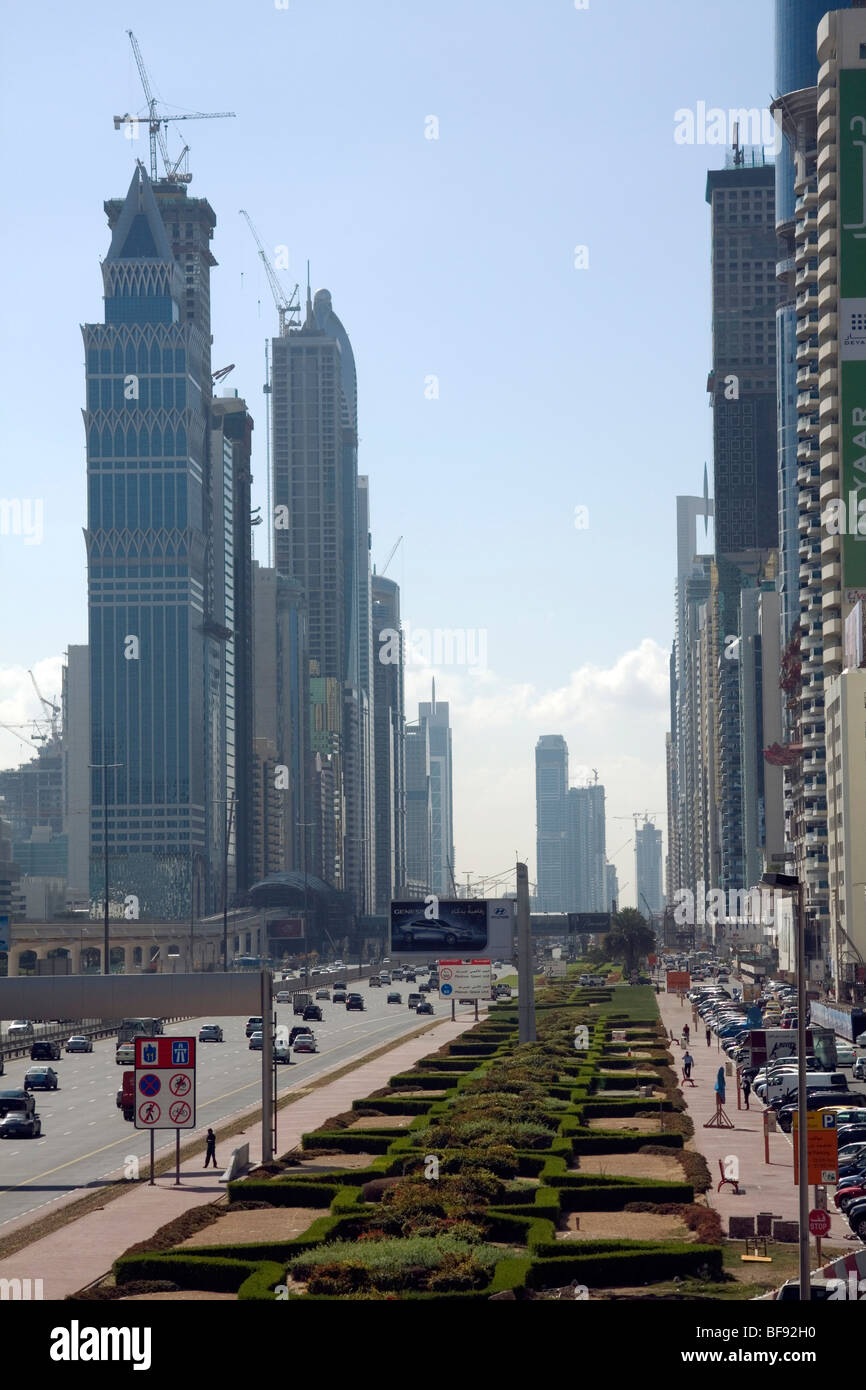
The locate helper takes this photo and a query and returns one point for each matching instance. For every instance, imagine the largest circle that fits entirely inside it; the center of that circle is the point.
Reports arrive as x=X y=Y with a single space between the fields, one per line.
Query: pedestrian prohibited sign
x=165 y=1067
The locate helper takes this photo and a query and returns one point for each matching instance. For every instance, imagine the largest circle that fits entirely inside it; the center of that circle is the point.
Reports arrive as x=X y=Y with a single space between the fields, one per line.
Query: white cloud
x=20 y=705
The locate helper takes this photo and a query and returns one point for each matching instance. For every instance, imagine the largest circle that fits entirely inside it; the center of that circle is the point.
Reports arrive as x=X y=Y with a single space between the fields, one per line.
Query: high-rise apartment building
x=586 y=864
x=434 y=714
x=419 y=807
x=280 y=720
x=322 y=541
x=75 y=745
x=551 y=819
x=161 y=535
x=389 y=754
x=648 y=867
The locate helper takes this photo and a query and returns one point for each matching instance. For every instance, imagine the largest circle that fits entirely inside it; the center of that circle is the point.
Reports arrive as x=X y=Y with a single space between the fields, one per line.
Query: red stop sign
x=819 y=1223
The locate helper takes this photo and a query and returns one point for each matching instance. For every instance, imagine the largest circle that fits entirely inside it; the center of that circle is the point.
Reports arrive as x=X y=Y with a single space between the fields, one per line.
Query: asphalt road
x=85 y=1137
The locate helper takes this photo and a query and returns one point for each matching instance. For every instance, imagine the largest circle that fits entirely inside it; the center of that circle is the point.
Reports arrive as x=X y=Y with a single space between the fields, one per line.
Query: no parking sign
x=165 y=1083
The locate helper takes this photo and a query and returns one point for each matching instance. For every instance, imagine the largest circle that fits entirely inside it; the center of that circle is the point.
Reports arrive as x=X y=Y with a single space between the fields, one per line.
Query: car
x=254 y=1024
x=849 y=1190
x=210 y=1032
x=394 y=997
x=305 y=1042
x=374 y=982
x=859 y=1072
x=339 y=996
x=425 y=987
x=340 y=984
x=78 y=1043
x=19 y=1028
x=850 y=1134
x=124 y=1054
x=414 y=1000
x=409 y=976
x=860 y=1040
x=323 y=994
x=282 y=1051
x=856 y=1215
x=420 y=932
x=296 y=1032
x=355 y=1001
x=17 y=1125
x=425 y=1007
x=45 y=1052
x=312 y=1014
x=256 y=1041
x=845 y=1054
x=41 y=1079
x=284 y=997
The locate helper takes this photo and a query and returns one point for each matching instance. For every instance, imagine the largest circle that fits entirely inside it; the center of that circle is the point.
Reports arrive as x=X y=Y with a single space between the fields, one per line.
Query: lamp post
x=305 y=825
x=793 y=884
x=103 y=767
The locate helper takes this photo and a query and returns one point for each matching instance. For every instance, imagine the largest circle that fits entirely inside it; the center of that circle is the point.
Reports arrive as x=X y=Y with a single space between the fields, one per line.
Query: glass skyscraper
x=159 y=552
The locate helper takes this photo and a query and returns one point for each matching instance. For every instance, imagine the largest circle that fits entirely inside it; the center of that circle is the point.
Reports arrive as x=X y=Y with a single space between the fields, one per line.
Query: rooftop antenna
x=739 y=152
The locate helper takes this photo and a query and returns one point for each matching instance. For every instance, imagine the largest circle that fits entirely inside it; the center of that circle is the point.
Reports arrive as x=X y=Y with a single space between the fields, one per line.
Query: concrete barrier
x=238 y=1163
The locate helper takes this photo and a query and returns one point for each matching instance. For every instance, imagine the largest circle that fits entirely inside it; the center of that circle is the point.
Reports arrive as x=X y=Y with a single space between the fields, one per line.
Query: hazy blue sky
x=452 y=257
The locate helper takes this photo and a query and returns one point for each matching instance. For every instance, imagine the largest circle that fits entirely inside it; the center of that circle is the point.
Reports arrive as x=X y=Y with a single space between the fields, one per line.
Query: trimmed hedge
x=356 y=1141
x=214 y=1274
x=283 y=1192
x=613 y=1196
x=624 y=1267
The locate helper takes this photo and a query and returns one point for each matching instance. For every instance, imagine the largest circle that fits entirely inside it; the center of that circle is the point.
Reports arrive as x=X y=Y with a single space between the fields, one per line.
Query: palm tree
x=630 y=938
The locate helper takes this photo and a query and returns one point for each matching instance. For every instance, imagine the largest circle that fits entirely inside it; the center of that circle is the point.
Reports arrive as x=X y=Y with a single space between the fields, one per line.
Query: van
x=784 y=1088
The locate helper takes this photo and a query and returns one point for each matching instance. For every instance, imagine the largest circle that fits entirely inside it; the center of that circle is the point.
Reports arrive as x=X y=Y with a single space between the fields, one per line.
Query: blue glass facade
x=153 y=697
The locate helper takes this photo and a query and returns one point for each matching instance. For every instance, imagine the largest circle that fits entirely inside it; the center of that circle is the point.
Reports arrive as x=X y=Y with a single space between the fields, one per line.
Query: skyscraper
x=159 y=606
x=551 y=818
x=434 y=714
x=389 y=755
x=586 y=871
x=648 y=867
x=419 y=809
x=321 y=542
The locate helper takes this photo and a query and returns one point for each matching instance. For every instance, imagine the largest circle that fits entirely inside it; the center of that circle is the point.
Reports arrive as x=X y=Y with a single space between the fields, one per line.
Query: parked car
x=355 y=1001
x=78 y=1043
x=210 y=1032
x=18 y=1125
x=124 y=1055
x=312 y=1014
x=254 y=1024
x=851 y=1134
x=425 y=1007
x=305 y=1042
x=394 y=997
x=41 y=1079
x=45 y=1052
x=256 y=1041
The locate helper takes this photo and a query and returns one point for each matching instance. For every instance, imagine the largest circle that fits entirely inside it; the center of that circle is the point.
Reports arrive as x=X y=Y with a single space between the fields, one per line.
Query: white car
x=125 y=1054
x=845 y=1054
x=284 y=997
x=861 y=1040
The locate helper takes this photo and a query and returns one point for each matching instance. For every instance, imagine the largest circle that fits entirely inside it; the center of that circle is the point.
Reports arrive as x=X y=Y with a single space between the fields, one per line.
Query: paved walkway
x=85 y=1249
x=763 y=1187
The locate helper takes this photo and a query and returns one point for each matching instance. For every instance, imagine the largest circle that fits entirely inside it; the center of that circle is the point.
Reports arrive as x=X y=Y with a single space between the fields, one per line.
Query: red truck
x=126 y=1096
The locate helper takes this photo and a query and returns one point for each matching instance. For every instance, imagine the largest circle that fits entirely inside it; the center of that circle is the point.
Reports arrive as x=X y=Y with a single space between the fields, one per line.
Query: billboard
x=678 y=980
x=434 y=926
x=855 y=629
x=286 y=929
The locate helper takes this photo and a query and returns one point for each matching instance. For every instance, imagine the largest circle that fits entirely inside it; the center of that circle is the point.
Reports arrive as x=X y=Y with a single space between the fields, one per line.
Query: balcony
x=833 y=658
x=826 y=159
x=826 y=216
x=828 y=347
x=831 y=574
x=826 y=242
x=828 y=185
x=828 y=272
x=807 y=314
x=829 y=475
x=827 y=101
x=829 y=436
x=832 y=628
x=828 y=296
x=806 y=402
x=828 y=384
x=807 y=376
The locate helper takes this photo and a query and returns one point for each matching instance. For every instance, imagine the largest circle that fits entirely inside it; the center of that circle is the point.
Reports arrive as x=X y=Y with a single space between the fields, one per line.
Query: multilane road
x=84 y=1135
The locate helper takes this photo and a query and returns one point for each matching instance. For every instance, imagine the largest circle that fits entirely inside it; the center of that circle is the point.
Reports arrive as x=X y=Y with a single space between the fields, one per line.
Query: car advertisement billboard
x=434 y=926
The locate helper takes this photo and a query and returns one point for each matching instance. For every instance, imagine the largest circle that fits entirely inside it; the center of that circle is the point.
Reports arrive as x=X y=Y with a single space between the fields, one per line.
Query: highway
x=85 y=1137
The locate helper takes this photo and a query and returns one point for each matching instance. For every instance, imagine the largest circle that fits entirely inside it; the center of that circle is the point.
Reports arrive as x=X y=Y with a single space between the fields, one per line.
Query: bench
x=729 y=1182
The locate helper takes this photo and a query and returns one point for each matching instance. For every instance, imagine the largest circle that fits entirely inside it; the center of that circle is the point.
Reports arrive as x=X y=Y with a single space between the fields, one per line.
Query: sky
x=518 y=248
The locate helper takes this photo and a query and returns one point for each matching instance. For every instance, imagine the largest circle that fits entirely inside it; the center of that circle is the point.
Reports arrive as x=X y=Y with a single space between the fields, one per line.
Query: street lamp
x=103 y=767
x=791 y=883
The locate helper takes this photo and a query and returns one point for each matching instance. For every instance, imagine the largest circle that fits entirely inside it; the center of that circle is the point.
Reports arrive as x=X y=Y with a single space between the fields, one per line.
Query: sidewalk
x=763 y=1187
x=85 y=1249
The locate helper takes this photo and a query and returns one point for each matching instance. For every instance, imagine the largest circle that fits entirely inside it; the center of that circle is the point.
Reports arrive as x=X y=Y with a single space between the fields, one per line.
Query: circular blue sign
x=446 y=989
x=149 y=1084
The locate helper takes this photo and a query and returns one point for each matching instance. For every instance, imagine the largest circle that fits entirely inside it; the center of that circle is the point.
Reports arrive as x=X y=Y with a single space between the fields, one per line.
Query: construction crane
x=223 y=372
x=39 y=737
x=156 y=123
x=288 y=307
x=54 y=710
x=635 y=815
x=392 y=553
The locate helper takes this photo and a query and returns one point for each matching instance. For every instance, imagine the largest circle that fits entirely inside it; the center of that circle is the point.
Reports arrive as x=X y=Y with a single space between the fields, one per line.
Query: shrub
x=395 y=1265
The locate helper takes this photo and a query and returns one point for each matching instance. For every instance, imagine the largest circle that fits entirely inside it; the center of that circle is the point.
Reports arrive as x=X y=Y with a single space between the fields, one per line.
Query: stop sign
x=819 y=1223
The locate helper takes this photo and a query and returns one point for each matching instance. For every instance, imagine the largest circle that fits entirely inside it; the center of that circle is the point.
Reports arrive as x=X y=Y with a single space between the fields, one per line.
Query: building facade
x=434 y=714
x=551 y=819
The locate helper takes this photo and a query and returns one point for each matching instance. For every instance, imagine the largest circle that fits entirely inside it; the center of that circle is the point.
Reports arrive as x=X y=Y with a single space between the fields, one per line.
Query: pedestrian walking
x=709 y=1036
x=688 y=1063
x=747 y=1089
x=210 y=1151
x=686 y=1033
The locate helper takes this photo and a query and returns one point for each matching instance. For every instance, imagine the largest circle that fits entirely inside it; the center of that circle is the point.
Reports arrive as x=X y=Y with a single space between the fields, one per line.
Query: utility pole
x=106 y=948
x=525 y=982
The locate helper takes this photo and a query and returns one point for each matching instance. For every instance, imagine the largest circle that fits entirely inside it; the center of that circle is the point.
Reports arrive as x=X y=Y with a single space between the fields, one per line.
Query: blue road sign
x=149 y=1085
x=180 y=1053
x=446 y=989
x=148 y=1054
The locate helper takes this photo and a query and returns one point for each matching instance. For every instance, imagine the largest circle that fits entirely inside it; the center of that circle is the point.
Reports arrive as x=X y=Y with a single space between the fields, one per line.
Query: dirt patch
x=623 y=1225
x=655 y=1166
x=642 y=1124
x=248 y=1227
x=188 y=1295
x=382 y=1122
x=332 y=1163
x=418 y=1095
